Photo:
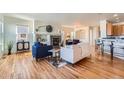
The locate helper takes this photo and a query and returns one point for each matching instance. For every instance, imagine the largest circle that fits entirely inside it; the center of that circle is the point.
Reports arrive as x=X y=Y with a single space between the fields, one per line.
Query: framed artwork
x=22 y=35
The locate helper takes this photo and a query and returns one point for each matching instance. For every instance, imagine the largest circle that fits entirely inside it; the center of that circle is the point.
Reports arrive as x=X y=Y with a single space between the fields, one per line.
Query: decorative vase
x=9 y=52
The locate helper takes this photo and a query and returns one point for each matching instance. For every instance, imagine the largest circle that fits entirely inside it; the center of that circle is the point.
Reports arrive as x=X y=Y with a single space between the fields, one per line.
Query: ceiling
x=87 y=19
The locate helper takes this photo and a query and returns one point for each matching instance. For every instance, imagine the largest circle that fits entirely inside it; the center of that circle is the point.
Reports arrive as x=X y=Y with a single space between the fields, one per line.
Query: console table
x=23 y=46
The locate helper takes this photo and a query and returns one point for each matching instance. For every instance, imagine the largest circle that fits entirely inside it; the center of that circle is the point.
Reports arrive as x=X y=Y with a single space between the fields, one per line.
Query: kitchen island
x=117 y=44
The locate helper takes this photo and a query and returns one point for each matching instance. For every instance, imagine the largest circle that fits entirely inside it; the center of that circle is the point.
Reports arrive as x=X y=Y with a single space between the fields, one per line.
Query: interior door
x=94 y=34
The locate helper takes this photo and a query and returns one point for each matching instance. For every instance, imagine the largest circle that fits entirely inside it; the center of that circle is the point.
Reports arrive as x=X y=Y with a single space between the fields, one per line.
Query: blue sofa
x=41 y=50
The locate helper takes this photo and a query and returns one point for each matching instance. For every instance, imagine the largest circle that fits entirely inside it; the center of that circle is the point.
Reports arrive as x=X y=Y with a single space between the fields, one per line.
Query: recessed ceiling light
x=115 y=15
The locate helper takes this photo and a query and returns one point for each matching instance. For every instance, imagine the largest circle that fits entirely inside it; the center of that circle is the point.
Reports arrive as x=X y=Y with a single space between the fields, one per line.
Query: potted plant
x=10 y=46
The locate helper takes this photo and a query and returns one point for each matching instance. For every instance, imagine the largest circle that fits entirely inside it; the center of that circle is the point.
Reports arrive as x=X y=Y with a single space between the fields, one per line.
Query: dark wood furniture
x=109 y=28
x=115 y=30
x=23 y=46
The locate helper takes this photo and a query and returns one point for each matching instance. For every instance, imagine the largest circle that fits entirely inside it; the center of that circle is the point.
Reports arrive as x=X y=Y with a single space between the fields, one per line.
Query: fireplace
x=55 y=41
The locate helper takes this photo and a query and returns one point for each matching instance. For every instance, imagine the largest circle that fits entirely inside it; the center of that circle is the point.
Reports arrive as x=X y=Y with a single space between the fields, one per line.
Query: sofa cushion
x=37 y=44
x=40 y=51
x=76 y=41
x=72 y=42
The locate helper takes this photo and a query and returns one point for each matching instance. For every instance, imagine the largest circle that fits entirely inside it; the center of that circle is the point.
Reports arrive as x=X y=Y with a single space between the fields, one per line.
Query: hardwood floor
x=22 y=66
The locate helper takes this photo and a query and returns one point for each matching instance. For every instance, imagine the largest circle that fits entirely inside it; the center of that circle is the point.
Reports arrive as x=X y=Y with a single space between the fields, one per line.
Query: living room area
x=54 y=46
x=61 y=46
x=21 y=33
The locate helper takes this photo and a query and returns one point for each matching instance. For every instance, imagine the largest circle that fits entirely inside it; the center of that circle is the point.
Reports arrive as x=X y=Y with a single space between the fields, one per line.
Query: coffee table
x=55 y=56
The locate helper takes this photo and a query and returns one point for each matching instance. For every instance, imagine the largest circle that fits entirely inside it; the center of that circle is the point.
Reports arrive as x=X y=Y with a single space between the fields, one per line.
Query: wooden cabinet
x=23 y=46
x=122 y=29
x=118 y=30
x=109 y=29
x=114 y=30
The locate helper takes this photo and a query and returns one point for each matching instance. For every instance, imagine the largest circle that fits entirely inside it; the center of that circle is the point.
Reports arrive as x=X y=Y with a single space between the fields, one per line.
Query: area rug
x=60 y=63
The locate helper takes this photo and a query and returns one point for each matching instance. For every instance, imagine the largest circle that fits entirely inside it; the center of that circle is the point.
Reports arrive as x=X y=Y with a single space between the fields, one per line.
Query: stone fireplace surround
x=54 y=40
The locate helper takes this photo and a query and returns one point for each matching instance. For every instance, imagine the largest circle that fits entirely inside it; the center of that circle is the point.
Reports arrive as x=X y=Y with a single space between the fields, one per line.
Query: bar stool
x=98 y=45
x=110 y=44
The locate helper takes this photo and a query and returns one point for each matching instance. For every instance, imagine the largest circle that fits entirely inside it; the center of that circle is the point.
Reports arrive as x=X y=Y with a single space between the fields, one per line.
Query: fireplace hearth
x=55 y=41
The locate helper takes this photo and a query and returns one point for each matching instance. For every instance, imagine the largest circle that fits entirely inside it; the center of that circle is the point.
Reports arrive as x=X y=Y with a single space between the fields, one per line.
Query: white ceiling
x=90 y=19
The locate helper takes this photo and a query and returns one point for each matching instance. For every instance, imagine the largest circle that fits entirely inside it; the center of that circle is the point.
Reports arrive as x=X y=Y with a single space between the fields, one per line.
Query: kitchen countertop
x=118 y=45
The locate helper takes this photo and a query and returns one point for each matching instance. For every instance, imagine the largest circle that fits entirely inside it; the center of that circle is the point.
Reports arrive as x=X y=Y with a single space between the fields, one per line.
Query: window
x=1 y=39
x=22 y=32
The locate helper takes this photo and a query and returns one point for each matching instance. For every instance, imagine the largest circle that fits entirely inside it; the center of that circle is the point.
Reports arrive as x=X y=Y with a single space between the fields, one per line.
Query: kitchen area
x=112 y=37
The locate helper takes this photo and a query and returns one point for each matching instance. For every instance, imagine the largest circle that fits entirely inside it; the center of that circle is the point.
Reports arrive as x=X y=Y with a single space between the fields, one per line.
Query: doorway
x=93 y=35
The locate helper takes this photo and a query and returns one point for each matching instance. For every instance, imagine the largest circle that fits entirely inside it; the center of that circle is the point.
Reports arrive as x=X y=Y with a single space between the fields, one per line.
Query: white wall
x=81 y=33
x=67 y=31
x=103 y=28
x=94 y=34
x=10 y=24
x=84 y=33
x=1 y=17
x=42 y=30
